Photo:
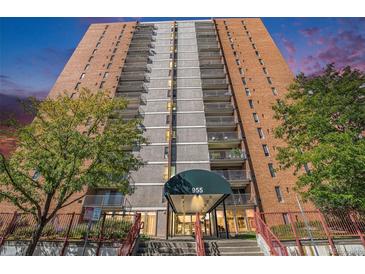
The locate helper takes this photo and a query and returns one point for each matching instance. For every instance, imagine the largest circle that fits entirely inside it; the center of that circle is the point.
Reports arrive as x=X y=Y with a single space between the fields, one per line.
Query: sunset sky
x=33 y=51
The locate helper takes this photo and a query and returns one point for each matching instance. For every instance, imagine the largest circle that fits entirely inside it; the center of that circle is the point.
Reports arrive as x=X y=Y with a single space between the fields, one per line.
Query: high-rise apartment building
x=204 y=91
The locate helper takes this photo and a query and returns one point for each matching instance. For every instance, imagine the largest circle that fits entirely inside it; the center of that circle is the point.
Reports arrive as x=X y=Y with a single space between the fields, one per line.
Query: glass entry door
x=184 y=224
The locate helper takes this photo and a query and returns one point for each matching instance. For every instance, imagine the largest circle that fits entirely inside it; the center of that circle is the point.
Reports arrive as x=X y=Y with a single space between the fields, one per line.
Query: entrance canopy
x=195 y=191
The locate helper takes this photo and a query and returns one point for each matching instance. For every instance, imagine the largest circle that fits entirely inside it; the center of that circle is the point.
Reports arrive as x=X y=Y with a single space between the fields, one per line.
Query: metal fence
x=308 y=225
x=65 y=227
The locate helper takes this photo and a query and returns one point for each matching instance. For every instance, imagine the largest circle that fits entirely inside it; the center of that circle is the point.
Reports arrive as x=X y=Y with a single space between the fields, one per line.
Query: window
x=264 y=70
x=279 y=195
x=243 y=22
x=272 y=170
x=306 y=168
x=111 y=58
x=120 y=37
x=235 y=53
x=250 y=103
x=245 y=27
x=255 y=117
x=101 y=38
x=286 y=218
x=102 y=84
x=97 y=44
x=261 y=133
x=232 y=46
x=261 y=62
x=250 y=39
x=117 y=44
x=244 y=81
x=109 y=65
x=107 y=26
x=82 y=76
x=166 y=153
x=87 y=66
x=248 y=92
x=269 y=80
x=94 y=51
x=266 y=150
x=91 y=57
x=237 y=62
x=253 y=46
x=274 y=91
x=257 y=53
x=77 y=85
x=106 y=74
x=114 y=50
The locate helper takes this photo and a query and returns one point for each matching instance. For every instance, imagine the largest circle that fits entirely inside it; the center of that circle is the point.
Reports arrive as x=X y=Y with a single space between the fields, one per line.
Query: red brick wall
x=263 y=100
x=71 y=73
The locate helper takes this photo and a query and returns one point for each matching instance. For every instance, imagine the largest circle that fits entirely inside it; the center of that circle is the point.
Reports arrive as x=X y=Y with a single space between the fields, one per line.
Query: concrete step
x=232 y=247
x=167 y=248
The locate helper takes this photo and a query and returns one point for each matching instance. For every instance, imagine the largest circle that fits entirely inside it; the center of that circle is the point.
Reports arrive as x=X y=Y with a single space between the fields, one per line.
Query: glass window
x=248 y=92
x=265 y=70
x=77 y=85
x=166 y=152
x=269 y=80
x=250 y=103
x=109 y=65
x=274 y=91
x=86 y=67
x=257 y=53
x=91 y=57
x=82 y=76
x=266 y=150
x=102 y=84
x=261 y=62
x=261 y=133
x=97 y=44
x=286 y=218
x=279 y=195
x=272 y=170
x=106 y=74
x=255 y=117
x=94 y=51
x=244 y=81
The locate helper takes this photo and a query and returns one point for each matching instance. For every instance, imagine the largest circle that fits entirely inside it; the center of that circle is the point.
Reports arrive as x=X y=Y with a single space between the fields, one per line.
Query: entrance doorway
x=184 y=224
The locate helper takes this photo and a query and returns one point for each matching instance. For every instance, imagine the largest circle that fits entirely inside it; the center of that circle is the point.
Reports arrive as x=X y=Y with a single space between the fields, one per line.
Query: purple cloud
x=9 y=87
x=309 y=32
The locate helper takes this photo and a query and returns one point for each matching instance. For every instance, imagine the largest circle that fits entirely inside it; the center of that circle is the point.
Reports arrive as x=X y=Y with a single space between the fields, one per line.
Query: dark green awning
x=196 y=190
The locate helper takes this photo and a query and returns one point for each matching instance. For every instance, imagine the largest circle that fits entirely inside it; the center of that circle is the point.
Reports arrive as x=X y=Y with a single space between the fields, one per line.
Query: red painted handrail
x=133 y=234
x=272 y=241
x=200 y=249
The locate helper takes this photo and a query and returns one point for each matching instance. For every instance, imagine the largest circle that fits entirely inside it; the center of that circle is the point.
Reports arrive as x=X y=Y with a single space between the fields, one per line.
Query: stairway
x=232 y=247
x=171 y=247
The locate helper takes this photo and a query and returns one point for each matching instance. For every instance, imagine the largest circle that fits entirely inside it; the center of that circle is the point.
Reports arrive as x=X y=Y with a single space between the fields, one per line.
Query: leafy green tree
x=72 y=144
x=323 y=121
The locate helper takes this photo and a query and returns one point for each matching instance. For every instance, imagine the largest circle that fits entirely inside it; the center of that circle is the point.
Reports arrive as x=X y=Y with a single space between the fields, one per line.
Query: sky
x=33 y=51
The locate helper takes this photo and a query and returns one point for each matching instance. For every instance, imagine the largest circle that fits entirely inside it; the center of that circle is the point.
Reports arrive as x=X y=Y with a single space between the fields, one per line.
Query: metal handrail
x=227 y=155
x=275 y=246
x=200 y=249
x=128 y=245
x=222 y=136
x=234 y=175
x=116 y=200
x=220 y=121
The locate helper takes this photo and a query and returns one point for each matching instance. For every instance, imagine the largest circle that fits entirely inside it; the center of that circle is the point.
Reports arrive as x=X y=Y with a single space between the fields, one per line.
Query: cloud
x=309 y=32
x=10 y=87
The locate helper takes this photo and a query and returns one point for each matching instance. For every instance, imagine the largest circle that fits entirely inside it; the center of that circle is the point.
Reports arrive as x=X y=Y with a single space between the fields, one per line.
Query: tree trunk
x=35 y=237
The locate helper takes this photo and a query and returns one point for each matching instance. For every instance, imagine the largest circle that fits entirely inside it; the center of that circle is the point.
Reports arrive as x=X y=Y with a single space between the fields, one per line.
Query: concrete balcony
x=237 y=178
x=138 y=60
x=136 y=68
x=232 y=157
x=138 y=76
x=212 y=74
x=208 y=54
x=214 y=84
x=133 y=86
x=218 y=109
x=227 y=123
x=223 y=139
x=217 y=95
x=211 y=64
x=245 y=199
x=127 y=113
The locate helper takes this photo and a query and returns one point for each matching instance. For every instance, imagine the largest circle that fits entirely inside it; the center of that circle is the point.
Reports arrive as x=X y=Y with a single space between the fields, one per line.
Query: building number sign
x=197 y=190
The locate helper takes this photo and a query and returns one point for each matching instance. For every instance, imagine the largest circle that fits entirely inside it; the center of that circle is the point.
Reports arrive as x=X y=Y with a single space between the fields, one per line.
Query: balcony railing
x=245 y=199
x=220 y=121
x=218 y=107
x=116 y=200
x=214 y=74
x=222 y=136
x=136 y=68
x=208 y=54
x=214 y=83
x=234 y=175
x=233 y=154
x=217 y=95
